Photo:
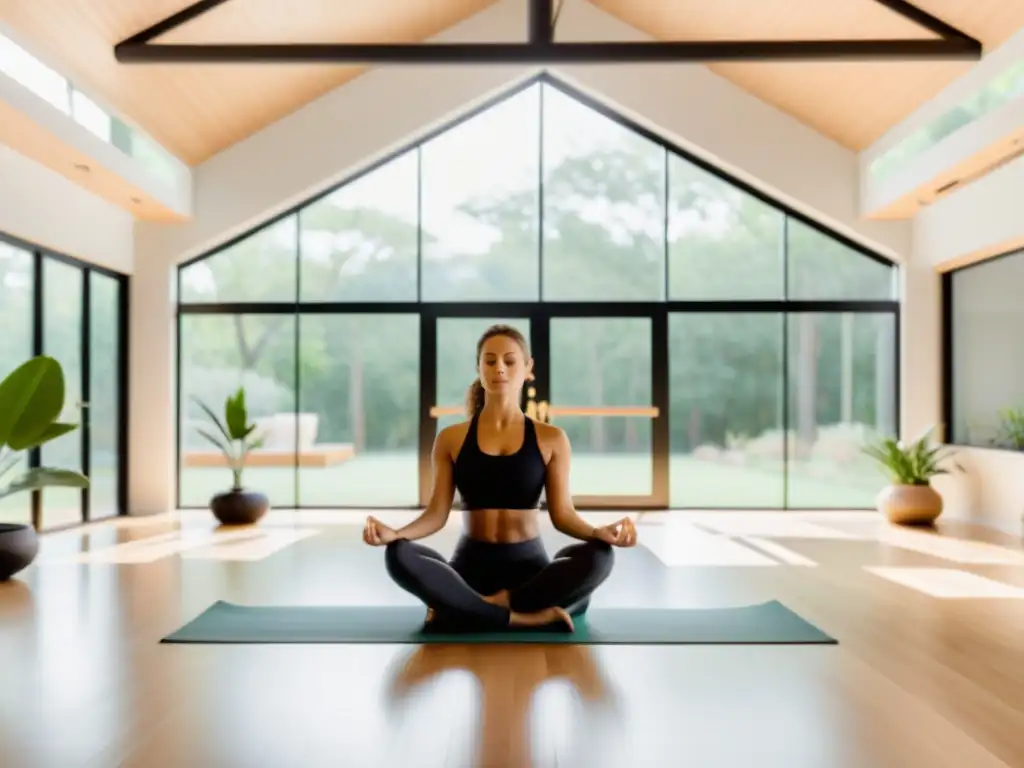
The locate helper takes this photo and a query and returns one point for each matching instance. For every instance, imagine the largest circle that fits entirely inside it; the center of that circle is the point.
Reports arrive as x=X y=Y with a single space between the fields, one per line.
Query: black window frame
x=40 y=254
x=541 y=308
x=947 y=350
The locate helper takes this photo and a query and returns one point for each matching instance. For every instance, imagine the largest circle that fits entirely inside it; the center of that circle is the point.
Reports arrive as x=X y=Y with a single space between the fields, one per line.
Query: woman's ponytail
x=474 y=398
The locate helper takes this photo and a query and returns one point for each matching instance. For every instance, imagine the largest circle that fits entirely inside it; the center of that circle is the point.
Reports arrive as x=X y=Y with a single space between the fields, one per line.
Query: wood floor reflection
x=507 y=681
x=929 y=670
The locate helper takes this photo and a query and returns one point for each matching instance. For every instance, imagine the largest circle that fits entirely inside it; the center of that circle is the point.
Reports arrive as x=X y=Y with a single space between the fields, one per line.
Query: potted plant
x=31 y=400
x=236 y=439
x=910 y=498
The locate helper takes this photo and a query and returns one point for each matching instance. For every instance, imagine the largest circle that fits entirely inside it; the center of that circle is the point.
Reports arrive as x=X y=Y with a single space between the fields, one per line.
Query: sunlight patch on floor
x=770 y=525
x=251 y=549
x=778 y=551
x=948 y=583
x=963 y=551
x=158 y=547
x=687 y=545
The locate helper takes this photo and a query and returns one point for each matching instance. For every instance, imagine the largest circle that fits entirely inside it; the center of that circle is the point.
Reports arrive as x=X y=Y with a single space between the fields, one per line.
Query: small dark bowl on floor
x=19 y=546
x=239 y=507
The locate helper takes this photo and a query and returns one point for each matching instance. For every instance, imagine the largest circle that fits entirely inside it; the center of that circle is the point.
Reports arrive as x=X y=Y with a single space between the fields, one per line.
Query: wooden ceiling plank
x=197 y=111
x=852 y=103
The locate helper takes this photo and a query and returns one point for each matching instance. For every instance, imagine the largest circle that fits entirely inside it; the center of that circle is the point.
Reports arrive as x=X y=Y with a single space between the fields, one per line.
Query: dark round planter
x=239 y=507
x=19 y=546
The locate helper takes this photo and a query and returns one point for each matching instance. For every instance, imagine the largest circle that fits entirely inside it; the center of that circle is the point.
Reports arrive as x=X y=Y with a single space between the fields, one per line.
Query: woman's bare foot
x=500 y=597
x=542 y=618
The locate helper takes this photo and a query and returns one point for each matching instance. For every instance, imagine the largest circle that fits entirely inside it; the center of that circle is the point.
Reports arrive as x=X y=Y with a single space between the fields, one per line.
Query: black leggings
x=454 y=589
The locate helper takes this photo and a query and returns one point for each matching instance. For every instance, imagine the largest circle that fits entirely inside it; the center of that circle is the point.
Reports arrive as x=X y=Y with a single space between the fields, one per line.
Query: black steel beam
x=542 y=27
x=541 y=48
x=171 y=22
x=553 y=53
x=926 y=20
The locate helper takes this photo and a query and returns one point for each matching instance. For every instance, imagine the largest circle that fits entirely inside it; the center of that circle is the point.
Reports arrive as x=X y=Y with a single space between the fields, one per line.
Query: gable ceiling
x=196 y=111
x=853 y=103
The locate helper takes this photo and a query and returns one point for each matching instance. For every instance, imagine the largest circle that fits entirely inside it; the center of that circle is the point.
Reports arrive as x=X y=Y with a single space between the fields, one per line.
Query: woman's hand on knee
x=376 y=534
x=620 y=534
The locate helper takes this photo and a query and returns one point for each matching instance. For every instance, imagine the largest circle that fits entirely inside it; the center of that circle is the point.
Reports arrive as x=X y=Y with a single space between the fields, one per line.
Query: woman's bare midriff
x=501 y=526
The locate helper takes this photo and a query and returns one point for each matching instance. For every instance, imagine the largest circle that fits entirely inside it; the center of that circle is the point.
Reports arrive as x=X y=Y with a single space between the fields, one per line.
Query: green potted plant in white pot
x=236 y=438
x=31 y=401
x=909 y=499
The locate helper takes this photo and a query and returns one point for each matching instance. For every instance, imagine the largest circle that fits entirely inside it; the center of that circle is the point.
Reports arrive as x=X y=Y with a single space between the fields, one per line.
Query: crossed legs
x=460 y=593
x=424 y=573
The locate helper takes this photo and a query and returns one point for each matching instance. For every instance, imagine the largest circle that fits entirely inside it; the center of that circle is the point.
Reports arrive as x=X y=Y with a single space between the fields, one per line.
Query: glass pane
x=456 y=360
x=150 y=155
x=723 y=243
x=481 y=203
x=104 y=395
x=16 y=290
x=604 y=363
x=262 y=267
x=62 y=339
x=24 y=68
x=219 y=354
x=89 y=115
x=360 y=242
x=725 y=390
x=1001 y=89
x=842 y=391
x=359 y=410
x=604 y=207
x=988 y=359
x=822 y=268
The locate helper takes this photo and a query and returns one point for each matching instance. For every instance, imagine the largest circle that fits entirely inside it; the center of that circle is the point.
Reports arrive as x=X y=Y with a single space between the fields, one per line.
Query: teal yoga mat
x=767 y=623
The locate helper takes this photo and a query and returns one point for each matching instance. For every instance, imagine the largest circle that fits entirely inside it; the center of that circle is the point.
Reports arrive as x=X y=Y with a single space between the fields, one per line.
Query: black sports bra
x=486 y=481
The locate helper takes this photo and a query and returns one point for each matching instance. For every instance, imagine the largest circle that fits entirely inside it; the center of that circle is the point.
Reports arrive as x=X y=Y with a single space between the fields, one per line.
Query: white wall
x=352 y=126
x=982 y=219
x=976 y=222
x=151 y=379
x=40 y=205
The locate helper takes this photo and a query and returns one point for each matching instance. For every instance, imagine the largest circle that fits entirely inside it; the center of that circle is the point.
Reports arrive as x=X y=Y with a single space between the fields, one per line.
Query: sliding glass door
x=81 y=318
x=103 y=417
x=601 y=391
x=81 y=323
x=63 y=322
x=74 y=312
x=17 y=280
x=603 y=379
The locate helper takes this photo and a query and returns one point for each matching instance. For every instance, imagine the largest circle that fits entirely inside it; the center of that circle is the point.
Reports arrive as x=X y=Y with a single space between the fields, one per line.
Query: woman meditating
x=500 y=461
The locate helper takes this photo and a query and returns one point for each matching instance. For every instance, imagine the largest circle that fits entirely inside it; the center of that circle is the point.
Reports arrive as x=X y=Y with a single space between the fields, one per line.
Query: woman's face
x=503 y=366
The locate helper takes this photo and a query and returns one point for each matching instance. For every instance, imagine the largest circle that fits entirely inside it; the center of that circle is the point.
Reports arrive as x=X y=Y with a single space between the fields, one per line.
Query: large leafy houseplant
x=235 y=438
x=910 y=497
x=31 y=400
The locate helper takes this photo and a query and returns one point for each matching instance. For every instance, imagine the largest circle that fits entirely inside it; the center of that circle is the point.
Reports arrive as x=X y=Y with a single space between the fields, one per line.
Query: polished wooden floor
x=929 y=670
